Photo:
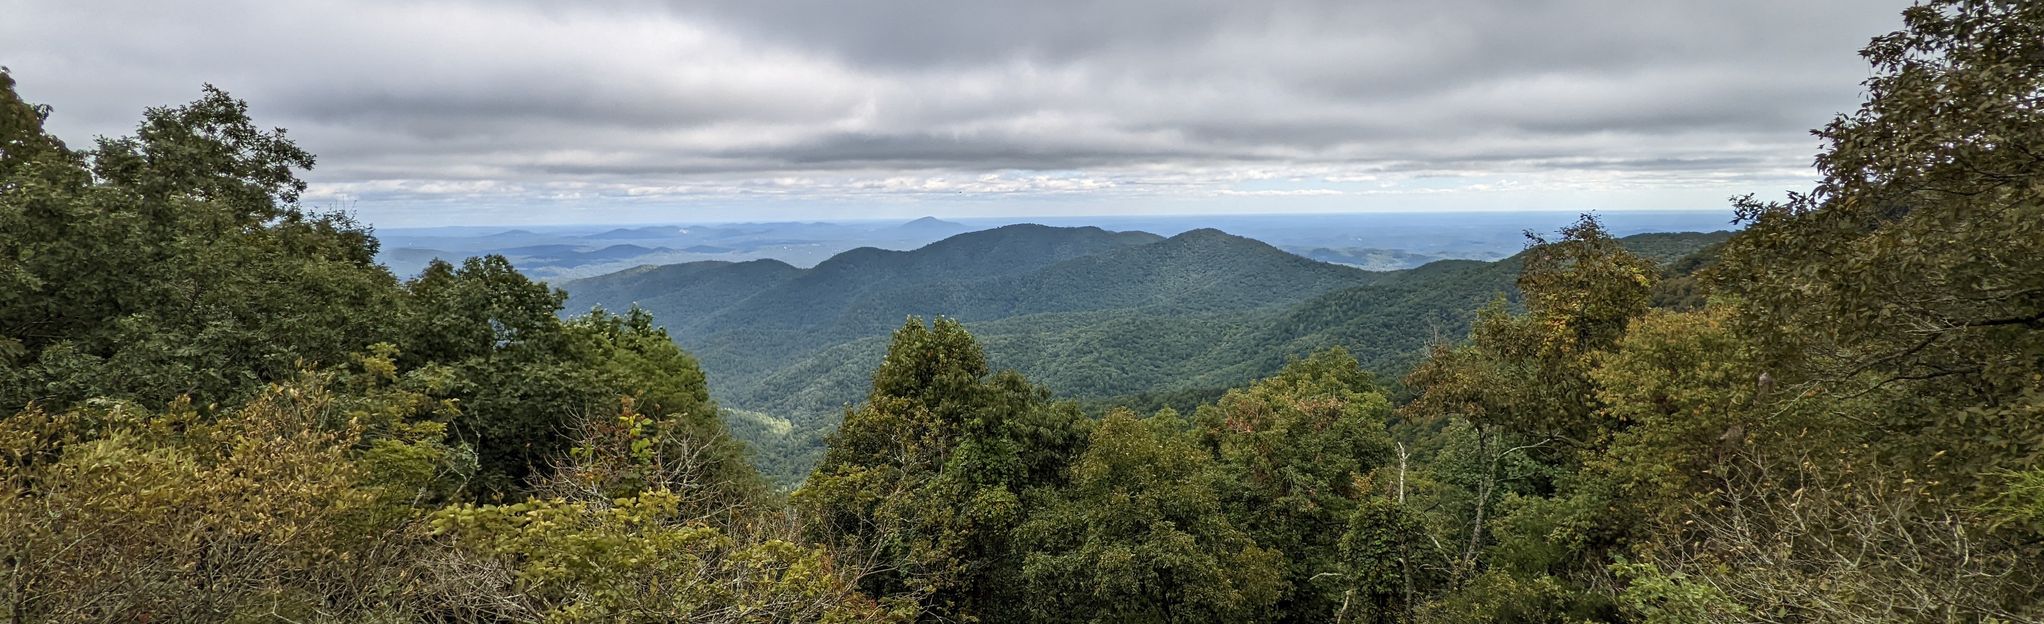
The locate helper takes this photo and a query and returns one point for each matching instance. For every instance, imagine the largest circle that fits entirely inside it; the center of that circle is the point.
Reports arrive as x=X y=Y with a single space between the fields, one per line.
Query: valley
x=1108 y=318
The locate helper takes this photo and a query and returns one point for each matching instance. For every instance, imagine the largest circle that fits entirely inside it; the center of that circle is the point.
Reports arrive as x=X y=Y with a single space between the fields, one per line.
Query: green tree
x=1875 y=376
x=1528 y=373
x=1523 y=385
x=176 y=261
x=929 y=476
x=524 y=377
x=175 y=267
x=1297 y=449
x=1912 y=268
x=1140 y=535
x=1383 y=579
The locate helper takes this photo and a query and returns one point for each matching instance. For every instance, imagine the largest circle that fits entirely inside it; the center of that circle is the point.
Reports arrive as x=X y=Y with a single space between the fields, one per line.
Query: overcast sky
x=495 y=111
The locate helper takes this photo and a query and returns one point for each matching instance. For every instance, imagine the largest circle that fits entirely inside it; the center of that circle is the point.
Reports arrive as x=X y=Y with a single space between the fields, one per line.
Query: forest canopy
x=221 y=409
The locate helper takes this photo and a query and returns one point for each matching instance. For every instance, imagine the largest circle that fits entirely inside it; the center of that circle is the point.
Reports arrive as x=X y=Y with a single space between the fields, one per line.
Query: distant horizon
x=1376 y=239
x=1027 y=218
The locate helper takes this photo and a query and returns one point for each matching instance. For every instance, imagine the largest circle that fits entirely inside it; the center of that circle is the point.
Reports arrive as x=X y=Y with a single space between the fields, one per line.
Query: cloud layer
x=456 y=110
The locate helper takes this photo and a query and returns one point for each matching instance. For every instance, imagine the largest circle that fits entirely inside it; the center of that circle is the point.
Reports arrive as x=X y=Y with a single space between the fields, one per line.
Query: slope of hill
x=745 y=319
x=679 y=294
x=1110 y=317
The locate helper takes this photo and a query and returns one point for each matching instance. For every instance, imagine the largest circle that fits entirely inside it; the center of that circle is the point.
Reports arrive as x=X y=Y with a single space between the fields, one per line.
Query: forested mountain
x=1112 y=318
x=221 y=409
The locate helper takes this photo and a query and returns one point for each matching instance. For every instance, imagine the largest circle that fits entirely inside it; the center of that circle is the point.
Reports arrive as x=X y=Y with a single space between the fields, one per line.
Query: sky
x=640 y=111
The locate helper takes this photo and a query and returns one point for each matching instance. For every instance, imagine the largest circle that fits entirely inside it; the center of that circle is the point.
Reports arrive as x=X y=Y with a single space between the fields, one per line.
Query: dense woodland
x=223 y=410
x=1108 y=318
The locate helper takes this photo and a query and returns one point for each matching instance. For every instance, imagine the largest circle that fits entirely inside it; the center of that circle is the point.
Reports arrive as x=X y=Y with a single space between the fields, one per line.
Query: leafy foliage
x=1141 y=536
x=234 y=415
x=1790 y=451
x=1296 y=449
x=1382 y=579
x=1076 y=309
x=174 y=268
x=1912 y=267
x=279 y=506
x=929 y=476
x=173 y=262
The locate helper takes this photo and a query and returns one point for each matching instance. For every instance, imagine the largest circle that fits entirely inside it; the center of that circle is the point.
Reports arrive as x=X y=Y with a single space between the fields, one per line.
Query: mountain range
x=1102 y=316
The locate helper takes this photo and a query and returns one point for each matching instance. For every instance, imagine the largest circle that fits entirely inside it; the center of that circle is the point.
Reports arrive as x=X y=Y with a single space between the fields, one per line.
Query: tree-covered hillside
x=1133 y=323
x=219 y=409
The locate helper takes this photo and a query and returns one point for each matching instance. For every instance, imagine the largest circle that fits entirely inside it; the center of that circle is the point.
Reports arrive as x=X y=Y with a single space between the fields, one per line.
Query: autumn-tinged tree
x=1879 y=461
x=1522 y=384
x=1684 y=391
x=1518 y=528
x=635 y=526
x=1297 y=449
x=294 y=505
x=1528 y=373
x=634 y=559
x=1913 y=268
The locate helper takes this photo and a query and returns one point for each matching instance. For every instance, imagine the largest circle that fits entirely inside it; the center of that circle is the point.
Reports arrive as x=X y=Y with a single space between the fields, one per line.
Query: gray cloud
x=410 y=103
